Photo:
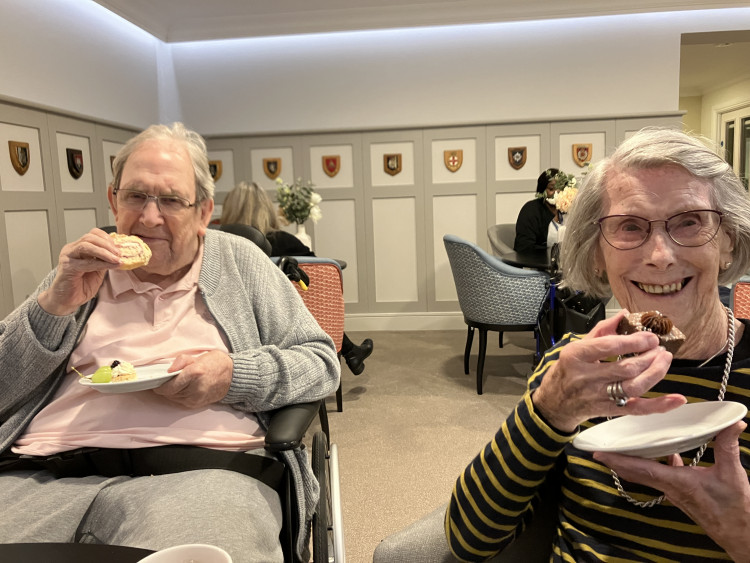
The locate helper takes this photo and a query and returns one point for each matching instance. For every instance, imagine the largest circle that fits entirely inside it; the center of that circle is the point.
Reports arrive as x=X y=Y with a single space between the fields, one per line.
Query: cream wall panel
x=78 y=222
x=226 y=181
x=10 y=180
x=287 y=173
x=468 y=171
x=507 y=206
x=395 y=241
x=378 y=176
x=598 y=150
x=336 y=237
x=530 y=170
x=69 y=184
x=455 y=215
x=345 y=176
x=109 y=151
x=624 y=128
x=27 y=233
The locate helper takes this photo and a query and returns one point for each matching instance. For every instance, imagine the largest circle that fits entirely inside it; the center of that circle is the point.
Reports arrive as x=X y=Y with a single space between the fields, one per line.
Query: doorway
x=734 y=135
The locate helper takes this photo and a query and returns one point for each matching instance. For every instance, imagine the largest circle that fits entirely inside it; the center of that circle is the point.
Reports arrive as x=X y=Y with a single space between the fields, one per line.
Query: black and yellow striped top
x=496 y=494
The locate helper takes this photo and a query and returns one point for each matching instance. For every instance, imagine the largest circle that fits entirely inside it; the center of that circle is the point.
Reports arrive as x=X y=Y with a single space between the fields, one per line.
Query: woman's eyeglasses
x=135 y=200
x=689 y=228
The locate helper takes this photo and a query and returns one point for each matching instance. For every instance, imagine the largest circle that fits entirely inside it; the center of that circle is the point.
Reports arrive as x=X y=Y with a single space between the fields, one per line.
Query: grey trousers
x=213 y=506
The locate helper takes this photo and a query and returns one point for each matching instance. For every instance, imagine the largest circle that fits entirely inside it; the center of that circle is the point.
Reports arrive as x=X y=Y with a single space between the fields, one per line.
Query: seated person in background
x=658 y=224
x=249 y=204
x=209 y=305
x=533 y=223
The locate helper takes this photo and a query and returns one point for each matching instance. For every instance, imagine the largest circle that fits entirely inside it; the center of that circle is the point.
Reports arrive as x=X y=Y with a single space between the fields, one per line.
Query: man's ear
x=112 y=200
x=207 y=209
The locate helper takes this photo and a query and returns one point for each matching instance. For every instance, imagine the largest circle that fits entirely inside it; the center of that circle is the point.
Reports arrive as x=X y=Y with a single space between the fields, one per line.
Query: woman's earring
x=597 y=272
x=726 y=265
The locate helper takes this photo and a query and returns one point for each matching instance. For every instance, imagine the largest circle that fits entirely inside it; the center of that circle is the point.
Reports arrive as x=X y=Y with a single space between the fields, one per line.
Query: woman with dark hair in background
x=249 y=204
x=532 y=225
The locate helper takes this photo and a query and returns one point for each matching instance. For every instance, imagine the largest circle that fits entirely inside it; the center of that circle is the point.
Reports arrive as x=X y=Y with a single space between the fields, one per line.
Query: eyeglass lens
x=690 y=228
x=167 y=204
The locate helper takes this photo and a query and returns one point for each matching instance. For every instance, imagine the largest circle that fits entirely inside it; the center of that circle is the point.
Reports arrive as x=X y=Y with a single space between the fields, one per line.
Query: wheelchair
x=286 y=432
x=287 y=428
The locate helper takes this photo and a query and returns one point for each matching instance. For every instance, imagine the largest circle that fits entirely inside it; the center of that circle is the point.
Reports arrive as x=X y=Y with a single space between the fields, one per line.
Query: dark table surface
x=537 y=260
x=69 y=553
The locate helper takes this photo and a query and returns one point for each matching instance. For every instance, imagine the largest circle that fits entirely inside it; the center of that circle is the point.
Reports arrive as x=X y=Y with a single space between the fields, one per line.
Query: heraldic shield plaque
x=517 y=157
x=75 y=162
x=19 y=156
x=215 y=168
x=392 y=163
x=582 y=153
x=331 y=165
x=453 y=159
x=272 y=167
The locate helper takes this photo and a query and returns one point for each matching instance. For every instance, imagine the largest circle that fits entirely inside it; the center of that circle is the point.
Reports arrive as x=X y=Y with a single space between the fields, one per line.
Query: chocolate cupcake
x=653 y=321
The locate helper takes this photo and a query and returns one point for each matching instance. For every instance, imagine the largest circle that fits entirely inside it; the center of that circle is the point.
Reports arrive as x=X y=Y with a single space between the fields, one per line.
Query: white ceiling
x=197 y=20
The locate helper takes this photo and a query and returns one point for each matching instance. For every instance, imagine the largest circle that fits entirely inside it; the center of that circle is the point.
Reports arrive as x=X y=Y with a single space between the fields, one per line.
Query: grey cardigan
x=281 y=355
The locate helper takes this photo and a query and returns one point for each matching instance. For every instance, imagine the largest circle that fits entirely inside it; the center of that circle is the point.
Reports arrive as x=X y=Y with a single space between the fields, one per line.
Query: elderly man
x=208 y=305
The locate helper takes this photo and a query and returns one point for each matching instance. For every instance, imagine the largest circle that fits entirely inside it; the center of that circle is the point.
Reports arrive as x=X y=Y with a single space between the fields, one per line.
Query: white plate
x=149 y=377
x=657 y=435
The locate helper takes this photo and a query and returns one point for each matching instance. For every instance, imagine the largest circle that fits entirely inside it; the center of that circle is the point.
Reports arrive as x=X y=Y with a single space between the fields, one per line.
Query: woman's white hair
x=194 y=144
x=652 y=148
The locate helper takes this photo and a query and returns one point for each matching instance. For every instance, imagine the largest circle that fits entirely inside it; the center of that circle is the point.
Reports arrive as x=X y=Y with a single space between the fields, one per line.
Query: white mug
x=190 y=553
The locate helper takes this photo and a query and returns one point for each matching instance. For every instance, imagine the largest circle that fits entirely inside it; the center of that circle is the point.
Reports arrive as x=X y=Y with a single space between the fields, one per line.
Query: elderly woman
x=249 y=204
x=659 y=223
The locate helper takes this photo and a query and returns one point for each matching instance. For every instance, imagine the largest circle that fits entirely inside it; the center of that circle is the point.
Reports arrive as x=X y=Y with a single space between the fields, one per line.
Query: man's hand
x=204 y=379
x=80 y=272
x=717 y=498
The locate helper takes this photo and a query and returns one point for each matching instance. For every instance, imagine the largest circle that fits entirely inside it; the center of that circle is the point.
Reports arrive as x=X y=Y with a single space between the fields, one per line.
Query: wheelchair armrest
x=289 y=424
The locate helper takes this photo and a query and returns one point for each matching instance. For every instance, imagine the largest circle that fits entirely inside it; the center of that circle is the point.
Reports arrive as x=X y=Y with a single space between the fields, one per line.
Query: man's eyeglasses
x=135 y=200
x=689 y=228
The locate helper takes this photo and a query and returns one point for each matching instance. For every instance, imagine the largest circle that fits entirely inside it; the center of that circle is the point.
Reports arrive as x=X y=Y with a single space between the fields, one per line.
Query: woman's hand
x=574 y=388
x=717 y=498
x=80 y=272
x=204 y=379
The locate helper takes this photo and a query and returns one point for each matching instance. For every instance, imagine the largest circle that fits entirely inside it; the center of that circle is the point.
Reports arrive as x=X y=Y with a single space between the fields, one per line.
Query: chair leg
x=480 y=363
x=467 y=352
x=538 y=341
x=339 y=399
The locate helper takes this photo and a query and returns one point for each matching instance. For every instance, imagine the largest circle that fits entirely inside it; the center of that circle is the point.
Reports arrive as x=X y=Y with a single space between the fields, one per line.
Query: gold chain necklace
x=702 y=449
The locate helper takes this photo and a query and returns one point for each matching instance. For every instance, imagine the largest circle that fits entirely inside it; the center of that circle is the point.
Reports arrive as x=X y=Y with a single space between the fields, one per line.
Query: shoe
x=355 y=359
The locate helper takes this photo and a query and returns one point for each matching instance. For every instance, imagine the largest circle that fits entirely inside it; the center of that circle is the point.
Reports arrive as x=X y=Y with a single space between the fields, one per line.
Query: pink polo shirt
x=143 y=324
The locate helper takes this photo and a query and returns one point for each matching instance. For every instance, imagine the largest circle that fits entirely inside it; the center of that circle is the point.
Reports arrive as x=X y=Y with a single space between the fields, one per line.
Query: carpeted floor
x=412 y=421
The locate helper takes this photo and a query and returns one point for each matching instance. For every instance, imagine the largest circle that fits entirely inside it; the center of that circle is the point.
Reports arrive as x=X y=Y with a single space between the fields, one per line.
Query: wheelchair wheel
x=321 y=516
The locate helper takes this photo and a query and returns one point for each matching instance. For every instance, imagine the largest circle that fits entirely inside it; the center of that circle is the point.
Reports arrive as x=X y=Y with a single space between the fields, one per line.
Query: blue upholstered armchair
x=493 y=295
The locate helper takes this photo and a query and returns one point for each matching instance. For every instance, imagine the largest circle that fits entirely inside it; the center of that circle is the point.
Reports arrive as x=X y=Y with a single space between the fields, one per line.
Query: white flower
x=298 y=201
x=315 y=214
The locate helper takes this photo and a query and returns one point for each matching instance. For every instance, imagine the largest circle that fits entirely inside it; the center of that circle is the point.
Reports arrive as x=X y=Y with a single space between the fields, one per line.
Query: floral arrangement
x=298 y=201
x=564 y=198
x=566 y=189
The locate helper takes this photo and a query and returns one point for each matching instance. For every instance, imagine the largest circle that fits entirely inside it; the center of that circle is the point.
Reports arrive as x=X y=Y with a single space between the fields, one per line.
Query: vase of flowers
x=299 y=202
x=566 y=190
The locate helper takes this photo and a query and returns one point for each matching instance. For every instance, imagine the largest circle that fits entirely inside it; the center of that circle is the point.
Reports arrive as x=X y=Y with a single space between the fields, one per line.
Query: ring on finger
x=617 y=394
